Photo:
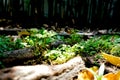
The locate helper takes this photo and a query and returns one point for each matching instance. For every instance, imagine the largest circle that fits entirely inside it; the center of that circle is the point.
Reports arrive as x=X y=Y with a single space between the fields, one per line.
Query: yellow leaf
x=85 y=75
x=109 y=76
x=118 y=75
x=94 y=68
x=24 y=32
x=112 y=76
x=112 y=59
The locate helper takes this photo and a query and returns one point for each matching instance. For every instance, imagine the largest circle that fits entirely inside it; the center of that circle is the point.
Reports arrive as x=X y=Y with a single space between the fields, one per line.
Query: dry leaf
x=24 y=32
x=85 y=75
x=112 y=76
x=109 y=76
x=112 y=59
x=118 y=75
x=94 y=68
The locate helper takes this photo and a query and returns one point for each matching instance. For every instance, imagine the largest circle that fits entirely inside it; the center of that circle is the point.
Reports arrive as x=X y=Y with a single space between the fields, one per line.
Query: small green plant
x=60 y=54
x=98 y=56
x=94 y=45
x=39 y=37
x=115 y=50
x=5 y=44
x=74 y=38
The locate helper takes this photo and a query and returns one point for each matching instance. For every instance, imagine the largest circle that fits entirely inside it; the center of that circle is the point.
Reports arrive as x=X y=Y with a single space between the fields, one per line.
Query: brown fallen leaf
x=85 y=75
x=111 y=59
x=112 y=76
x=109 y=76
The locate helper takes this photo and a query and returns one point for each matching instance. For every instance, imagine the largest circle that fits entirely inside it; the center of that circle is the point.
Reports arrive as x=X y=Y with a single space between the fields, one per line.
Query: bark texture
x=20 y=54
x=66 y=71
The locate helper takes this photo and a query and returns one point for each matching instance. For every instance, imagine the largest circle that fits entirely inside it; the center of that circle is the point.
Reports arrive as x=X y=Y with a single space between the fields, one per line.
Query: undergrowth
x=73 y=45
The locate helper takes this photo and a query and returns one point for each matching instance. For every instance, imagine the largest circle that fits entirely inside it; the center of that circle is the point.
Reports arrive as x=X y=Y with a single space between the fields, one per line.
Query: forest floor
x=89 y=61
x=14 y=29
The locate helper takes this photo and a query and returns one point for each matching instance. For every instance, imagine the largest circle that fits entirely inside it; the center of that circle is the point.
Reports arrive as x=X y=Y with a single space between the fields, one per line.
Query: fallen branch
x=64 y=71
x=20 y=54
